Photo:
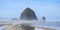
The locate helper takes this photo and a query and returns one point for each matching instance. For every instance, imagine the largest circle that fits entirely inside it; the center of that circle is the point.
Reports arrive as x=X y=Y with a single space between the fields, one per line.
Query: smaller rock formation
x=43 y=18
x=14 y=18
x=28 y=14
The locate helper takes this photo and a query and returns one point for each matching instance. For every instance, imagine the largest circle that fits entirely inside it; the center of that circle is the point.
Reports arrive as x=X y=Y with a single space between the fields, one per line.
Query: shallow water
x=38 y=29
x=51 y=23
x=54 y=24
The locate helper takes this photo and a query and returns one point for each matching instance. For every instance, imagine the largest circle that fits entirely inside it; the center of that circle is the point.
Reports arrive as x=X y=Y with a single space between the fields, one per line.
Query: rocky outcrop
x=28 y=14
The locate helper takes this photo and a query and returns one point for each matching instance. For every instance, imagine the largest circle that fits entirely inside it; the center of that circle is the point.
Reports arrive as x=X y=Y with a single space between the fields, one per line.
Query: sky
x=13 y=8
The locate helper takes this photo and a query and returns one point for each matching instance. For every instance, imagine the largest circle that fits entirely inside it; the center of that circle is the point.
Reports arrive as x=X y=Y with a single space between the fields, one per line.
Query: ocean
x=49 y=24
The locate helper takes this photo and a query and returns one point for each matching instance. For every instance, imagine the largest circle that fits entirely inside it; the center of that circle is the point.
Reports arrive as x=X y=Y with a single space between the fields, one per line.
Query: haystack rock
x=28 y=14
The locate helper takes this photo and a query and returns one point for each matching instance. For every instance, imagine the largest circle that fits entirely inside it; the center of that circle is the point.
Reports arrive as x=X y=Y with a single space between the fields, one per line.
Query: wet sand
x=2 y=24
x=19 y=28
x=13 y=27
x=43 y=28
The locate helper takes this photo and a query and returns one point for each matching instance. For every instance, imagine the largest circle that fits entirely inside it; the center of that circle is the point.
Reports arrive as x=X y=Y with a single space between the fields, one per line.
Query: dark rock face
x=43 y=18
x=28 y=14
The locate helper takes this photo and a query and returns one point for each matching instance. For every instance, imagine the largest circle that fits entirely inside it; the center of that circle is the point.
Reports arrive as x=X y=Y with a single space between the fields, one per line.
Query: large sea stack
x=28 y=14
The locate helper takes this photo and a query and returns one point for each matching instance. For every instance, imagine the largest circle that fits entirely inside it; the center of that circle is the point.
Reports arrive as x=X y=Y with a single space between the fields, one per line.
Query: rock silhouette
x=43 y=18
x=28 y=14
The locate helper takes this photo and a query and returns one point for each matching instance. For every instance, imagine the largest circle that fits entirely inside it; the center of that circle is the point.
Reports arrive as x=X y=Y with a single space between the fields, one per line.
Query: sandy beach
x=15 y=27
x=2 y=24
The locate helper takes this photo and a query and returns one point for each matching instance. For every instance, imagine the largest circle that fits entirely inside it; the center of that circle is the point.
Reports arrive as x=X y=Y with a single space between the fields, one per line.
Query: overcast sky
x=13 y=8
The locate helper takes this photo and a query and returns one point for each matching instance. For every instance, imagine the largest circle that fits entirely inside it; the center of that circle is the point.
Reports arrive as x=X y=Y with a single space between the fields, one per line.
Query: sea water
x=50 y=23
x=53 y=24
